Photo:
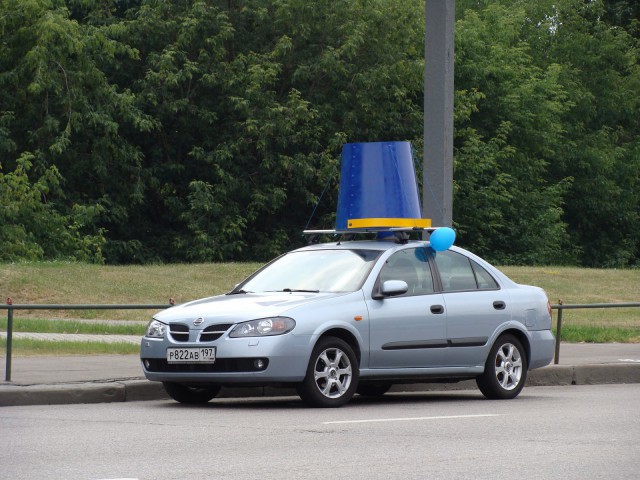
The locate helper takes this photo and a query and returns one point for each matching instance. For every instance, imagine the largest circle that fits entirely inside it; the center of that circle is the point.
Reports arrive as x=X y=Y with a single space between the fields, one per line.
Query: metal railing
x=10 y=307
x=560 y=307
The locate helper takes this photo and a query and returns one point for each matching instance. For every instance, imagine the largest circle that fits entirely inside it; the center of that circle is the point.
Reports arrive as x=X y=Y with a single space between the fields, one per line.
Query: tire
x=332 y=374
x=373 y=389
x=190 y=394
x=505 y=371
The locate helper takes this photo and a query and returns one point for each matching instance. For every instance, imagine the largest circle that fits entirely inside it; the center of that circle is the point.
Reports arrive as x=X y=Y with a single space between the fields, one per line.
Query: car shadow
x=359 y=401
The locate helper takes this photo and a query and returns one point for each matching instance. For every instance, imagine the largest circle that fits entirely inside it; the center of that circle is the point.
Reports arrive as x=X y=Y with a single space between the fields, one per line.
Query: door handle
x=499 y=305
x=437 y=309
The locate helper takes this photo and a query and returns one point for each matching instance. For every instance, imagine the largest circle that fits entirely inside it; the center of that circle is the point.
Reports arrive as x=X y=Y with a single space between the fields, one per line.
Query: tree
x=601 y=75
x=206 y=130
x=62 y=118
x=586 y=66
x=248 y=135
x=507 y=131
x=31 y=227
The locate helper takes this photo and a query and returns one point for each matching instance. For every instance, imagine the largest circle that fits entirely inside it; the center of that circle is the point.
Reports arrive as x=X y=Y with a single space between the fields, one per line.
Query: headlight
x=263 y=327
x=156 y=329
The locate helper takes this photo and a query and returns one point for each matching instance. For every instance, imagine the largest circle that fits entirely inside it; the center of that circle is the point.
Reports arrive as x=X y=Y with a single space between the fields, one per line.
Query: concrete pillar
x=437 y=177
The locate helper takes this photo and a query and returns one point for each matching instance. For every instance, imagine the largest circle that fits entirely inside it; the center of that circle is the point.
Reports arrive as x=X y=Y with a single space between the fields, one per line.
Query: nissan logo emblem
x=198 y=321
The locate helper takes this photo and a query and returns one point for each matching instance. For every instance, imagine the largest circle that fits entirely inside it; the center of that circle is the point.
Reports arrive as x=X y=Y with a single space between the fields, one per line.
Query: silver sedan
x=351 y=317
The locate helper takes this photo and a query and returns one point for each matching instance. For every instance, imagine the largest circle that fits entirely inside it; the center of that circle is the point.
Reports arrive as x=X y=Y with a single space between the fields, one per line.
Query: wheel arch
x=522 y=337
x=346 y=336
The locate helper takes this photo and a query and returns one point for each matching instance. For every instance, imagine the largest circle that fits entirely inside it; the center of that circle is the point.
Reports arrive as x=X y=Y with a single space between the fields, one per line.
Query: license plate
x=191 y=355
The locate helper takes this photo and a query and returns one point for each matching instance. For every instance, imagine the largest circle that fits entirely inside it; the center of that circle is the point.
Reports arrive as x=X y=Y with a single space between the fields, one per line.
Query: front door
x=408 y=330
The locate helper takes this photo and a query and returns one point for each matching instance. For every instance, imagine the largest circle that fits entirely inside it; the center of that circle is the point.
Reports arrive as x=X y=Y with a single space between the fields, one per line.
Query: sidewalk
x=118 y=378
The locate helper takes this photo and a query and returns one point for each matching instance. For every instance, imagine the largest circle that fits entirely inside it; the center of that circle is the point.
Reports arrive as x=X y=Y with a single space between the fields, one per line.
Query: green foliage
x=145 y=131
x=506 y=208
x=33 y=229
x=59 y=131
x=558 y=90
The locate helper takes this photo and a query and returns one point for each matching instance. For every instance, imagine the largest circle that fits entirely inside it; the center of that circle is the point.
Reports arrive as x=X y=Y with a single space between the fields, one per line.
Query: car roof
x=377 y=244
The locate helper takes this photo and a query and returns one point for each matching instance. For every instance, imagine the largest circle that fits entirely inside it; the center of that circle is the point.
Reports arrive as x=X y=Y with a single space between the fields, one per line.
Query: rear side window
x=459 y=273
x=484 y=278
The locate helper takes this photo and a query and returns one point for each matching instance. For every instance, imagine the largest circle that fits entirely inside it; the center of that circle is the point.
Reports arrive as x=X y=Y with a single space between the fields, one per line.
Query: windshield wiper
x=299 y=290
x=236 y=292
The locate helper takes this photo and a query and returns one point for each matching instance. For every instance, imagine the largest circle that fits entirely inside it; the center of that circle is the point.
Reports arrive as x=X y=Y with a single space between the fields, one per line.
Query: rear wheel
x=505 y=371
x=190 y=394
x=332 y=374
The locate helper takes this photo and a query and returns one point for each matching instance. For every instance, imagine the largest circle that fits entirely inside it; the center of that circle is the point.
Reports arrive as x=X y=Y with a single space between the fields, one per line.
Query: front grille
x=179 y=332
x=221 y=365
x=214 y=332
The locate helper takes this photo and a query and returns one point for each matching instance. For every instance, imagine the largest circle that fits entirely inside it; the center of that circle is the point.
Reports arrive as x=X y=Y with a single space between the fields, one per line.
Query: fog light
x=147 y=363
x=259 y=364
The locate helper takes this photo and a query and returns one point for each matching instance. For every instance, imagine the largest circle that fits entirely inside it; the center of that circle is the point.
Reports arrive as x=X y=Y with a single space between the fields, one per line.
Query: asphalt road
x=571 y=432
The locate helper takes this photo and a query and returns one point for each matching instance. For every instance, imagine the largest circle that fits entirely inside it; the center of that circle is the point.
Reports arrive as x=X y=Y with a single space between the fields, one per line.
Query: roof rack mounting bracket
x=402 y=237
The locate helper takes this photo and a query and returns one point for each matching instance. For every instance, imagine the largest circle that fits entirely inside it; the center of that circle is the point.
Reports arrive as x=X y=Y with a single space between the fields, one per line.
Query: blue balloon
x=442 y=238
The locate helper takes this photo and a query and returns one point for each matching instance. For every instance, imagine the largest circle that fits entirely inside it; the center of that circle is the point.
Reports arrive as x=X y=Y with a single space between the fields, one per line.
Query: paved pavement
x=115 y=378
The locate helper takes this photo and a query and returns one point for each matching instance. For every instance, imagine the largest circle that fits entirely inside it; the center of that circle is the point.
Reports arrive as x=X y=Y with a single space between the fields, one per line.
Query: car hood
x=240 y=307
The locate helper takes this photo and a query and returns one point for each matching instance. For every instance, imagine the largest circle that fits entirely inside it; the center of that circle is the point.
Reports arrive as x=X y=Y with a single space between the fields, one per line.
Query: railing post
x=558 y=333
x=7 y=375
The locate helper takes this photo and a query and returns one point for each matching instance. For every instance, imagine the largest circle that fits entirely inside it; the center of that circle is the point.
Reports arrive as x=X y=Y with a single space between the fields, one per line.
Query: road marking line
x=628 y=360
x=406 y=419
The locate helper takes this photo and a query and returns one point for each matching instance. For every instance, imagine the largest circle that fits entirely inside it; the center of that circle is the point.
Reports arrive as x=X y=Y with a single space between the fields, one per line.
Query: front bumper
x=285 y=359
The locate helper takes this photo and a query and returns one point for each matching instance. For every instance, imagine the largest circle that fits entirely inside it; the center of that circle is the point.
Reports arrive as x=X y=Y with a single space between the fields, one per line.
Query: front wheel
x=332 y=374
x=505 y=371
x=190 y=394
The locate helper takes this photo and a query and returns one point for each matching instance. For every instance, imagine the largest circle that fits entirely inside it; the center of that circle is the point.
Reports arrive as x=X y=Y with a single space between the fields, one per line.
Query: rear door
x=475 y=304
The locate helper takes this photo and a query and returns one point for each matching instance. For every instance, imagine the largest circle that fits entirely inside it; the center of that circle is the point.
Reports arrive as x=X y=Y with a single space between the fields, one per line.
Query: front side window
x=411 y=266
x=320 y=270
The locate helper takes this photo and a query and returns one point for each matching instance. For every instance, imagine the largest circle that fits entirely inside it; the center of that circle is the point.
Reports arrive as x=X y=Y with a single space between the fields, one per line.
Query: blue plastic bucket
x=378 y=187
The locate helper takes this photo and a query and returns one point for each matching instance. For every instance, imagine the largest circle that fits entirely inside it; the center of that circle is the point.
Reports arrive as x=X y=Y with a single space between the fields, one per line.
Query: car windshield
x=313 y=271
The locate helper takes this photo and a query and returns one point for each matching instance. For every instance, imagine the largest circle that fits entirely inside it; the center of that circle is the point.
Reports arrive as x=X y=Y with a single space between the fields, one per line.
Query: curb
x=142 y=390
x=72 y=393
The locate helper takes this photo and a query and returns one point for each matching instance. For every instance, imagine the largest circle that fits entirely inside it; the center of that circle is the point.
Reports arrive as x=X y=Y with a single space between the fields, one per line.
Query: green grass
x=581 y=285
x=572 y=285
x=72 y=326
x=75 y=283
x=599 y=334
x=28 y=347
x=72 y=283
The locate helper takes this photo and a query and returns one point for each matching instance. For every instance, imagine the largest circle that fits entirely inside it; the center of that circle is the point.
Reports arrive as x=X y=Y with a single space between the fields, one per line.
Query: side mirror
x=392 y=288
